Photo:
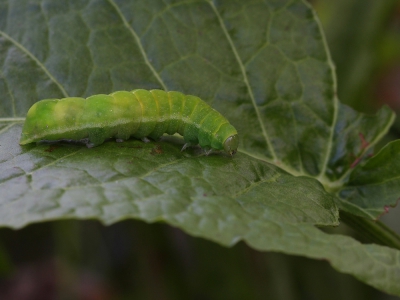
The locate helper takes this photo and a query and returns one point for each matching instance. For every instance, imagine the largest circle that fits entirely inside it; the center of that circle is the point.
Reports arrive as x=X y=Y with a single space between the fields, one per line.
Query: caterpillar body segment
x=121 y=115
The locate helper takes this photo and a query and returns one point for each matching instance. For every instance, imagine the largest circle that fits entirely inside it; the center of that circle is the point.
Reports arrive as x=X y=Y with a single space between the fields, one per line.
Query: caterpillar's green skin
x=139 y=113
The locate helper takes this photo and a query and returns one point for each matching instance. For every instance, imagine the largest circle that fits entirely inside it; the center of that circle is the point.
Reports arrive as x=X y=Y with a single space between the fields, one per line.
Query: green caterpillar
x=123 y=114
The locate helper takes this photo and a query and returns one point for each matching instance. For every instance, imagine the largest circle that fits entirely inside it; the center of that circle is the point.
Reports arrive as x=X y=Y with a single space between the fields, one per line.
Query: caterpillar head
x=231 y=144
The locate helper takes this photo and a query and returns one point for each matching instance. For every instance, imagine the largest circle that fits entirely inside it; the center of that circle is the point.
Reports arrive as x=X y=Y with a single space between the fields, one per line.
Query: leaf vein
x=245 y=79
x=36 y=60
x=139 y=43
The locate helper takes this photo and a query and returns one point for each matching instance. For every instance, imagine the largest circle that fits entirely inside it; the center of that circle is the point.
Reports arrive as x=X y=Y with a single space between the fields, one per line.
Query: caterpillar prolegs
x=121 y=115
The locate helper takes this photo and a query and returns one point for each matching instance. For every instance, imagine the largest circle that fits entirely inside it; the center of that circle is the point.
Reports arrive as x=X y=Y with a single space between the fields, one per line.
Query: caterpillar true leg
x=186 y=146
x=145 y=139
x=207 y=151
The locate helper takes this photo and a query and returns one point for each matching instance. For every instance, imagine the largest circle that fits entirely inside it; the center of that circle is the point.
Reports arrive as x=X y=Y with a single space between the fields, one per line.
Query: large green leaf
x=263 y=64
x=154 y=181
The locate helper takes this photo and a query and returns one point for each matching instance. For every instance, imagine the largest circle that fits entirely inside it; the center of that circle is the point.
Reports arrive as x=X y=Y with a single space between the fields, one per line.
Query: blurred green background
x=133 y=260
x=364 y=40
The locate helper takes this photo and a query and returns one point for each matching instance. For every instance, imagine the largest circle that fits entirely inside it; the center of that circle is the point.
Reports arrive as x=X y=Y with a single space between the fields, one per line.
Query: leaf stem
x=372 y=231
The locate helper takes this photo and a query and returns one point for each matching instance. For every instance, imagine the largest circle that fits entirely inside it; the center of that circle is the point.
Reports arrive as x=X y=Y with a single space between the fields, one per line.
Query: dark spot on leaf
x=387 y=208
x=51 y=148
x=156 y=150
x=355 y=163
x=364 y=143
